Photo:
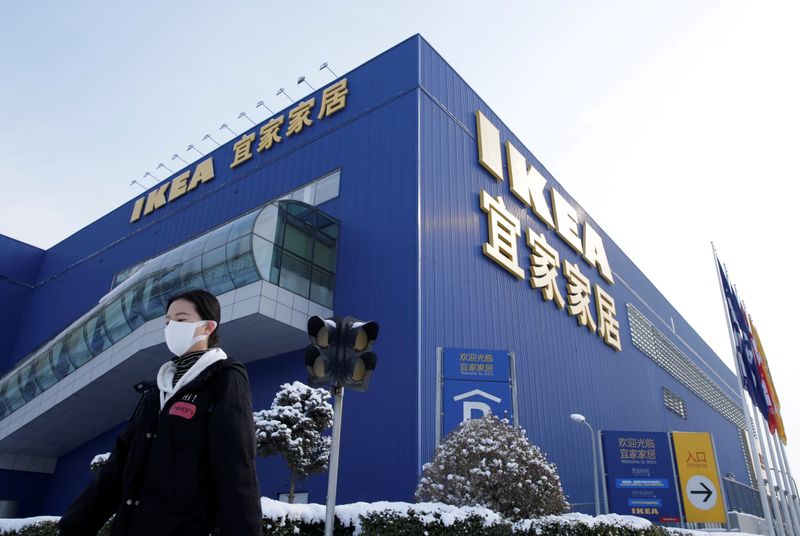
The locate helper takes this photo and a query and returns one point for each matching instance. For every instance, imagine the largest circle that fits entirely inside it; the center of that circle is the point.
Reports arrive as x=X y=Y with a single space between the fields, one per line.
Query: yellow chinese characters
x=241 y=150
x=334 y=99
x=578 y=292
x=299 y=117
x=544 y=268
x=607 y=324
x=504 y=228
x=269 y=134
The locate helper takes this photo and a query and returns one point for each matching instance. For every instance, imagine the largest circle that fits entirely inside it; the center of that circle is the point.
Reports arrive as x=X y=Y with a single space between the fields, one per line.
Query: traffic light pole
x=333 y=465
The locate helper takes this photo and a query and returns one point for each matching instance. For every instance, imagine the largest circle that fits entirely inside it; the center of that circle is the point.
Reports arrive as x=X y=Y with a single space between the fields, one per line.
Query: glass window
x=3 y=407
x=132 y=304
x=153 y=302
x=267 y=259
x=76 y=347
x=215 y=272
x=171 y=258
x=301 y=212
x=266 y=225
x=59 y=360
x=298 y=239
x=327 y=188
x=116 y=325
x=27 y=383
x=322 y=288
x=43 y=371
x=305 y=194
x=96 y=338
x=242 y=226
x=218 y=237
x=325 y=252
x=13 y=397
x=328 y=226
x=192 y=273
x=295 y=275
x=241 y=264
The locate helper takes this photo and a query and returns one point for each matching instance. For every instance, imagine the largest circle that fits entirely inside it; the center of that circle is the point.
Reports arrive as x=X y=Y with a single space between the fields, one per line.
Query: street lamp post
x=580 y=419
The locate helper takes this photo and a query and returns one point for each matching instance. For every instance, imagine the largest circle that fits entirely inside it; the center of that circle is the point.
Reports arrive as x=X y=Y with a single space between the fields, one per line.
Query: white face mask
x=180 y=336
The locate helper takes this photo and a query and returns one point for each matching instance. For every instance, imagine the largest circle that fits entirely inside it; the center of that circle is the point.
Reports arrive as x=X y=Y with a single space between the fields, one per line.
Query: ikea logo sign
x=561 y=282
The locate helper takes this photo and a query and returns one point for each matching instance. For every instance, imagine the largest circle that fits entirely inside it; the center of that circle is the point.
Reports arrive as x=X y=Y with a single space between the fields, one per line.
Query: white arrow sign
x=701 y=492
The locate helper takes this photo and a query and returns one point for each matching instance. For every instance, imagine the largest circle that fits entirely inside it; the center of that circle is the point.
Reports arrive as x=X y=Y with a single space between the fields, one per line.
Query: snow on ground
x=17 y=524
x=349 y=515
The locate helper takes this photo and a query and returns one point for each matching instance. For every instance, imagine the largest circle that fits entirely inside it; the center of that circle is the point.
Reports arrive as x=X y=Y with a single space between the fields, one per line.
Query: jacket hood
x=167 y=372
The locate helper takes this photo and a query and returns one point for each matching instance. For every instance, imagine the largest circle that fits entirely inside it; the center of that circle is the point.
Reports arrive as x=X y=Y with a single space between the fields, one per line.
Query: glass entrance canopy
x=288 y=243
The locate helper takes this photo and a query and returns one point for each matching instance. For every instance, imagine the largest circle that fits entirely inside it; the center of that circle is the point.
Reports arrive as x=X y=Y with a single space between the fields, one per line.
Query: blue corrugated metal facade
x=409 y=256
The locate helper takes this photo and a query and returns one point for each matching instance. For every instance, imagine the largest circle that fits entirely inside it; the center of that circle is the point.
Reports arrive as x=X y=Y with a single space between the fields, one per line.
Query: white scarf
x=167 y=372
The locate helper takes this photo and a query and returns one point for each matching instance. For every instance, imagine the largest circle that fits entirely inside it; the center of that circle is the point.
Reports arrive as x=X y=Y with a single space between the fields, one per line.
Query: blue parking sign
x=475 y=383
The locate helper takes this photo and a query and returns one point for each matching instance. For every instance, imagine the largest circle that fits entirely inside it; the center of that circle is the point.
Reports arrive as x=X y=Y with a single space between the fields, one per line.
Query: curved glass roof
x=289 y=243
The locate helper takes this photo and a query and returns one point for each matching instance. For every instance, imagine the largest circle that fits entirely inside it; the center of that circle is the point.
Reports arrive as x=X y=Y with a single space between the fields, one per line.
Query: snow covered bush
x=487 y=462
x=99 y=461
x=293 y=428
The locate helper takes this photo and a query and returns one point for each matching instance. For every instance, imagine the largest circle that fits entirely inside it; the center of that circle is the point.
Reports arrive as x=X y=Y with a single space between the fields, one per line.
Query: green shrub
x=391 y=523
x=402 y=519
x=488 y=462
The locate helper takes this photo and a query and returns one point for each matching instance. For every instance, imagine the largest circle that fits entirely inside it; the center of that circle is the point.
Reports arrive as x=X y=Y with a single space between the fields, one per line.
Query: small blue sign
x=640 y=479
x=645 y=502
x=475 y=383
x=642 y=483
x=471 y=364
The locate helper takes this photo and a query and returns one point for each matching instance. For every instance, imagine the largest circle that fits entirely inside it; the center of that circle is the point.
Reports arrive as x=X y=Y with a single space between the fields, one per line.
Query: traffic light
x=359 y=359
x=320 y=356
x=341 y=351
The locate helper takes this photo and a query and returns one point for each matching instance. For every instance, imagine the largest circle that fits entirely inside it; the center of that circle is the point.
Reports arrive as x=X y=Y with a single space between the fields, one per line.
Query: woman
x=185 y=465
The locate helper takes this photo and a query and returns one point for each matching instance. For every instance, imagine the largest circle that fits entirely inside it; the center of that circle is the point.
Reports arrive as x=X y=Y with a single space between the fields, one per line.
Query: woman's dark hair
x=206 y=305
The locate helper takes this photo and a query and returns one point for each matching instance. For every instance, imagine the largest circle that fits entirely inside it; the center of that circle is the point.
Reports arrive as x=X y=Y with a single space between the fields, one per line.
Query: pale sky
x=674 y=123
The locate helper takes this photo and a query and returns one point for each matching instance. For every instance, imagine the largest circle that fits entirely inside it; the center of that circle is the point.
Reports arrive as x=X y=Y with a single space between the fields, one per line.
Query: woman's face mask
x=180 y=335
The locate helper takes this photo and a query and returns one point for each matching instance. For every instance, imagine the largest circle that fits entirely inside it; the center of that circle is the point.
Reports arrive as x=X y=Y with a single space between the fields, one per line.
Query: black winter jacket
x=186 y=470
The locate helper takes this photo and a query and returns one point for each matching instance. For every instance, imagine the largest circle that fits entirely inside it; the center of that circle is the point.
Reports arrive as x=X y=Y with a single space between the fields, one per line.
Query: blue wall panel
x=470 y=301
x=19 y=263
x=26 y=488
x=72 y=472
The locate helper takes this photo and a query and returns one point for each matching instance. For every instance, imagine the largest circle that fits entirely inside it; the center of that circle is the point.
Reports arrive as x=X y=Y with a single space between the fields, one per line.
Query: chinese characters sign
x=475 y=383
x=485 y=365
x=260 y=140
x=697 y=471
x=299 y=118
x=559 y=281
x=639 y=477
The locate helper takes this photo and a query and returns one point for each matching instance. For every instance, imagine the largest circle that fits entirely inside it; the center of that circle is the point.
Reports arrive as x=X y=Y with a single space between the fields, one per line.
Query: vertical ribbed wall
x=562 y=368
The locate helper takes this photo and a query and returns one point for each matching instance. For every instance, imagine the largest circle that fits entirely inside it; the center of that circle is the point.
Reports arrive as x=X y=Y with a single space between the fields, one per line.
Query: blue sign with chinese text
x=475 y=383
x=640 y=479
x=470 y=364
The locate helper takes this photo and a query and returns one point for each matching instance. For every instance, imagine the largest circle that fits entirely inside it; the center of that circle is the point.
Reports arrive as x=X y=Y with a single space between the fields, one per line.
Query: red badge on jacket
x=183 y=409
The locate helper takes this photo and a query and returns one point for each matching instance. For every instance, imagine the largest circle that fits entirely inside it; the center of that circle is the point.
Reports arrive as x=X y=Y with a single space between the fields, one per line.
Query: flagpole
x=772 y=475
x=783 y=481
x=789 y=478
x=748 y=419
x=793 y=486
x=776 y=508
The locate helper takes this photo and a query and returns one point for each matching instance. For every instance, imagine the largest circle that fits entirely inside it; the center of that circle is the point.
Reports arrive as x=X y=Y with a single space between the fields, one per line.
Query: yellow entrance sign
x=698 y=476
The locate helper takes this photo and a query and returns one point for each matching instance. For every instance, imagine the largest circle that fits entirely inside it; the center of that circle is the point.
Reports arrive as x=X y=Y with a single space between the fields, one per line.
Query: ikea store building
x=392 y=194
